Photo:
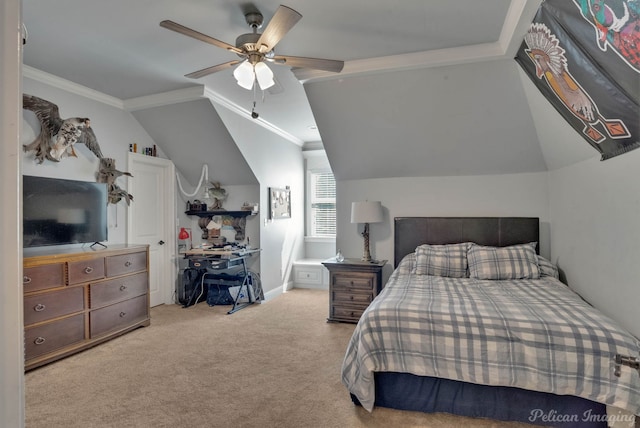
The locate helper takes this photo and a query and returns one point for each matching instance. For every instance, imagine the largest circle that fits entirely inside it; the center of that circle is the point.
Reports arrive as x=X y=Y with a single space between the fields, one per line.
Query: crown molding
x=518 y=18
x=165 y=98
x=246 y=114
x=415 y=60
x=154 y=100
x=69 y=86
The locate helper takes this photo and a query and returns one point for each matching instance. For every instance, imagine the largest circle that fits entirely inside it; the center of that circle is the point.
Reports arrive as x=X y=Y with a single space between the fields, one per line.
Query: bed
x=465 y=337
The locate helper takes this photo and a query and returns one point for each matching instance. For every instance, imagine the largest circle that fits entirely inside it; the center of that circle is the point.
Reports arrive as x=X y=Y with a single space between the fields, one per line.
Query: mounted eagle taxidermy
x=107 y=173
x=66 y=132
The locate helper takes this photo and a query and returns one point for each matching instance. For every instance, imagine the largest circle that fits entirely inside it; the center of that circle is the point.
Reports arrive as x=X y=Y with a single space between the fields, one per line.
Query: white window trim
x=308 y=216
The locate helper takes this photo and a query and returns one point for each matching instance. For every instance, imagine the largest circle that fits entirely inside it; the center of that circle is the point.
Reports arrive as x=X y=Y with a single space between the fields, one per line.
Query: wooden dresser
x=353 y=284
x=75 y=299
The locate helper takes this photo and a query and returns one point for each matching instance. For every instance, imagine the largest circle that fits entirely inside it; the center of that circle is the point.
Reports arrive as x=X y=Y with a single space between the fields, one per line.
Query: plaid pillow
x=547 y=268
x=442 y=260
x=513 y=262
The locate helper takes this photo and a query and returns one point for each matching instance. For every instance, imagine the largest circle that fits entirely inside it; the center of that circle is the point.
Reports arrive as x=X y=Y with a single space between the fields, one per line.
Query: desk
x=226 y=268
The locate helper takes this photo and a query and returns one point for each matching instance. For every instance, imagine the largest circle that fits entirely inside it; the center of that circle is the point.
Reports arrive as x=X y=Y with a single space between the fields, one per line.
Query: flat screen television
x=60 y=212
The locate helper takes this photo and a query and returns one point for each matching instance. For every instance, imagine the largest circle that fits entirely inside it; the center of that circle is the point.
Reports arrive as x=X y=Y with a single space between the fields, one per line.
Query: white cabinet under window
x=310 y=273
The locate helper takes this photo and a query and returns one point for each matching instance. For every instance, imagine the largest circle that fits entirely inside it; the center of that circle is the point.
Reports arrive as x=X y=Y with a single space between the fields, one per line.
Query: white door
x=151 y=220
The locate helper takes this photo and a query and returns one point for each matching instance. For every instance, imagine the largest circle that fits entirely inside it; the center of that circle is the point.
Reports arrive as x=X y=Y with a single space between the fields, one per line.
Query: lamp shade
x=244 y=74
x=366 y=212
x=264 y=75
x=184 y=234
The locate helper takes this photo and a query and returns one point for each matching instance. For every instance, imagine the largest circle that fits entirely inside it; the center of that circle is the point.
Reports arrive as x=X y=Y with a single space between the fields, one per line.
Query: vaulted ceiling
x=428 y=88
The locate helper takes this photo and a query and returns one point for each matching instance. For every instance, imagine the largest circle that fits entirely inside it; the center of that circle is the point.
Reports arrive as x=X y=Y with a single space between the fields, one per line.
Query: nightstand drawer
x=363 y=282
x=54 y=335
x=46 y=306
x=346 y=313
x=358 y=299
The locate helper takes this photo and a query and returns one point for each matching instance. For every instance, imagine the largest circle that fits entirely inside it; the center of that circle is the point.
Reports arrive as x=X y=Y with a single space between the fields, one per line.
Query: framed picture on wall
x=279 y=202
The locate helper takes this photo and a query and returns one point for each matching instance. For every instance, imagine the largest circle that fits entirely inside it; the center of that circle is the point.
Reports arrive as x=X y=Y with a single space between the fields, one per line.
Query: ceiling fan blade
x=210 y=70
x=174 y=26
x=283 y=20
x=315 y=63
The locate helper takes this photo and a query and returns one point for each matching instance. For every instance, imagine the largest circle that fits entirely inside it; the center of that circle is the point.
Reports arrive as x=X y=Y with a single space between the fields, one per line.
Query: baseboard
x=312 y=286
x=272 y=294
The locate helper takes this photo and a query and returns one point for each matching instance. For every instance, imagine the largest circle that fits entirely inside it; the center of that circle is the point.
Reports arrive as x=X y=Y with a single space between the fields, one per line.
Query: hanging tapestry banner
x=584 y=56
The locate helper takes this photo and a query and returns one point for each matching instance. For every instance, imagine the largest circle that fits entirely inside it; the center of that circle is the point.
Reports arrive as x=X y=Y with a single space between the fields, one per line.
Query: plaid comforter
x=532 y=334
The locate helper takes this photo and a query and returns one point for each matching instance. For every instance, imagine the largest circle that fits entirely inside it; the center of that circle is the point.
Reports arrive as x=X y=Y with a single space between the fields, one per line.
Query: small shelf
x=241 y=213
x=239 y=220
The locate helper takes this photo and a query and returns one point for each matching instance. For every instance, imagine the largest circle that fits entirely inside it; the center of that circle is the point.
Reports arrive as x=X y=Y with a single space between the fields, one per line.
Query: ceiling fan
x=256 y=49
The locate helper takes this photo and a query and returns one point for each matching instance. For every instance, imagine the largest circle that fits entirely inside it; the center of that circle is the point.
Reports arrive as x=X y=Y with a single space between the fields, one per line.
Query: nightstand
x=353 y=284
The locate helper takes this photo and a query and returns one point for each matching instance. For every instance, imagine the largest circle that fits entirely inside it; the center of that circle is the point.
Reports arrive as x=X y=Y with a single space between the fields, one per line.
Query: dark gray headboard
x=409 y=232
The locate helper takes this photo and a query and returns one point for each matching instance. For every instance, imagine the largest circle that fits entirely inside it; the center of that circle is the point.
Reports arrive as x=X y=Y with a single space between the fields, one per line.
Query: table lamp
x=366 y=212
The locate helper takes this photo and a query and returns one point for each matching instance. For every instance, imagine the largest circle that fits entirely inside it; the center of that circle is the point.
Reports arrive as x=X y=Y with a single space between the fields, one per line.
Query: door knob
x=161 y=242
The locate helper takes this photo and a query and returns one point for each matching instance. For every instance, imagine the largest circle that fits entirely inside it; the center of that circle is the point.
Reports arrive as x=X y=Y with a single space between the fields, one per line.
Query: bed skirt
x=405 y=391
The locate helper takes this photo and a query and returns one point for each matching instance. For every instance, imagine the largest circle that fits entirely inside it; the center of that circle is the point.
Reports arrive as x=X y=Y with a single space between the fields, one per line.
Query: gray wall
x=595 y=233
x=114 y=129
x=275 y=162
x=518 y=195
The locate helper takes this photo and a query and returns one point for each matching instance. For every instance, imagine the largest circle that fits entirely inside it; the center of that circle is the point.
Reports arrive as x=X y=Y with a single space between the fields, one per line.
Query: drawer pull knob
x=39 y=340
x=88 y=269
x=127 y=263
x=351 y=282
x=122 y=314
x=39 y=307
x=351 y=297
x=123 y=287
x=26 y=280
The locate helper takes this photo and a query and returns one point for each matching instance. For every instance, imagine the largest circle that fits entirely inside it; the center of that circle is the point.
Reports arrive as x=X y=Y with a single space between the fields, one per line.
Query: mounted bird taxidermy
x=218 y=194
x=58 y=136
x=107 y=173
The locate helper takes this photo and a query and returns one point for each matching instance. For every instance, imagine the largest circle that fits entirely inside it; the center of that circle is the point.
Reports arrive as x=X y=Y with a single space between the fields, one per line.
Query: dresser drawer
x=43 y=277
x=48 y=337
x=351 y=281
x=355 y=299
x=118 y=316
x=126 y=263
x=86 y=270
x=45 y=306
x=116 y=290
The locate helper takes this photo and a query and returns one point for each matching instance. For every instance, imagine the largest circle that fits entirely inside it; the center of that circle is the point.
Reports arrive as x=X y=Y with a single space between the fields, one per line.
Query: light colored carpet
x=276 y=364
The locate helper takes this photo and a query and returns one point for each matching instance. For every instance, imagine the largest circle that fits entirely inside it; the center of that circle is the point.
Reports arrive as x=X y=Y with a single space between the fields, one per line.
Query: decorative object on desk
x=184 y=240
x=66 y=132
x=107 y=173
x=279 y=202
x=366 y=212
x=339 y=256
x=218 y=194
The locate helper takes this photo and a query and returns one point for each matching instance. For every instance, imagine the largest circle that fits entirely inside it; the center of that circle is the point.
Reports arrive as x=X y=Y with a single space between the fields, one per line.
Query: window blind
x=323 y=204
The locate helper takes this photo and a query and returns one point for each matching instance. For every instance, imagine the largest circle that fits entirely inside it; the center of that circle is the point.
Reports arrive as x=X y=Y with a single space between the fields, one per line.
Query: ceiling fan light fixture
x=245 y=75
x=264 y=75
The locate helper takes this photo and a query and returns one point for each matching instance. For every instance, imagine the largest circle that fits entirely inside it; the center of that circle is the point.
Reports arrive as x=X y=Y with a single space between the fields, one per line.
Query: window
x=322 y=204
